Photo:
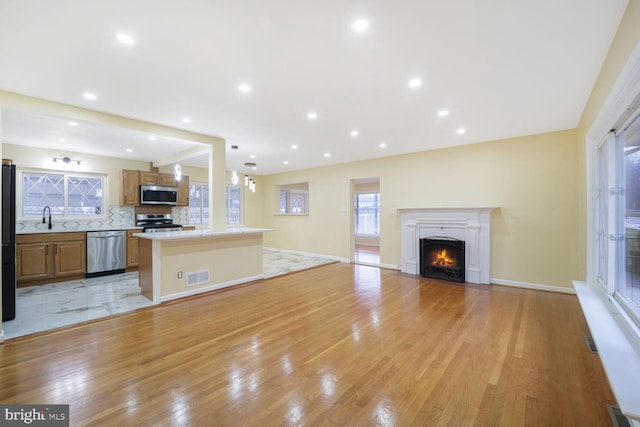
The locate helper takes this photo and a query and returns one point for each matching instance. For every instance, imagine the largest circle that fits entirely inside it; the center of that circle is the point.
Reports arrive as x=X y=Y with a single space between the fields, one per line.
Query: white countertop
x=73 y=230
x=200 y=234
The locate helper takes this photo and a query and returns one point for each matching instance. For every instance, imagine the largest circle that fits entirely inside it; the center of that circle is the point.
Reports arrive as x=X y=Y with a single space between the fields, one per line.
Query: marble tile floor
x=276 y=263
x=44 y=307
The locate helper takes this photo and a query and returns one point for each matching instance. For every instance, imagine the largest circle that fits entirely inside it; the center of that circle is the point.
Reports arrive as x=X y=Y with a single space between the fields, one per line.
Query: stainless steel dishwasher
x=106 y=252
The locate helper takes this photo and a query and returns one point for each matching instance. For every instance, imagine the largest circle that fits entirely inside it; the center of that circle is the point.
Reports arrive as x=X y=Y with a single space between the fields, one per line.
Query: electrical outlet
x=179 y=274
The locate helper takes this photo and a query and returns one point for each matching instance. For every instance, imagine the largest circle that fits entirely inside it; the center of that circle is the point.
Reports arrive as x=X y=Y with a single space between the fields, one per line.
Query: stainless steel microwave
x=154 y=195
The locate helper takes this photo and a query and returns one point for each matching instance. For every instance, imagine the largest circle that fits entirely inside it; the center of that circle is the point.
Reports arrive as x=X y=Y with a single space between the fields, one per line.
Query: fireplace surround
x=470 y=224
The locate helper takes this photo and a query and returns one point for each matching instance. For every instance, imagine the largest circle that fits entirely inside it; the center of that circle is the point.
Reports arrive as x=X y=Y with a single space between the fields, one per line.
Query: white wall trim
x=214 y=287
x=535 y=286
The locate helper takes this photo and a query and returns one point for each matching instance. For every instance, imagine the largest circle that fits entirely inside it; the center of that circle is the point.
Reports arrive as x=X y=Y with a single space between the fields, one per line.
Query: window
x=67 y=194
x=293 y=198
x=198 y=203
x=617 y=219
x=367 y=214
x=629 y=289
x=234 y=204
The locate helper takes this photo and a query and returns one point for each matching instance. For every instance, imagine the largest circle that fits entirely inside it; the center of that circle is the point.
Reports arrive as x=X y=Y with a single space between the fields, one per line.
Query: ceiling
x=502 y=69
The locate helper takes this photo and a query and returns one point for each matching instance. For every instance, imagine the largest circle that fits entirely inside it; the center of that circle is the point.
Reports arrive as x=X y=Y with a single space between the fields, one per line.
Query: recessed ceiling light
x=90 y=96
x=152 y=138
x=62 y=140
x=383 y=145
x=186 y=120
x=360 y=25
x=286 y=162
x=312 y=115
x=294 y=147
x=129 y=150
x=354 y=133
x=125 y=38
x=72 y=123
x=244 y=88
x=327 y=154
x=461 y=131
x=415 y=83
x=443 y=113
x=253 y=156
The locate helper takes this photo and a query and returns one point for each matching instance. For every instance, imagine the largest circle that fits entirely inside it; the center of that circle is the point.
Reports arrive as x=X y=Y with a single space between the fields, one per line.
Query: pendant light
x=248 y=180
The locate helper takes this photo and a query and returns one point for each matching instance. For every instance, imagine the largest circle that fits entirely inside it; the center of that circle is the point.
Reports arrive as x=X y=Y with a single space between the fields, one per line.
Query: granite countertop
x=200 y=234
x=75 y=230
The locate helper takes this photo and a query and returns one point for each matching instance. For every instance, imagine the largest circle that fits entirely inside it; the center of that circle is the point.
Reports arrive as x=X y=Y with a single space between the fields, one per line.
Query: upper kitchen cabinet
x=132 y=180
x=130 y=187
x=183 y=191
x=148 y=178
x=166 y=180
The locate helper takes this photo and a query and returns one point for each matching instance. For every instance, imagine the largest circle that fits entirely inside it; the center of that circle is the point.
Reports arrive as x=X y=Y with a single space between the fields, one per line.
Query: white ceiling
x=502 y=69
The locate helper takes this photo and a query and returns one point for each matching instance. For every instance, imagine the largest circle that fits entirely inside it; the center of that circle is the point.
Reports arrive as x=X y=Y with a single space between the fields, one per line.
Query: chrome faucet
x=43 y=212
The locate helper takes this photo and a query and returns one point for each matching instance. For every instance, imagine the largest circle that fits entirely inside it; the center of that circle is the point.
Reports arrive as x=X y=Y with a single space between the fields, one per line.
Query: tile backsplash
x=120 y=217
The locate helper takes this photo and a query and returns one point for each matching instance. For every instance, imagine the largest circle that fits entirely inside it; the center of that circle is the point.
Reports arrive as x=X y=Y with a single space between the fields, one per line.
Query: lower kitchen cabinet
x=132 y=248
x=50 y=257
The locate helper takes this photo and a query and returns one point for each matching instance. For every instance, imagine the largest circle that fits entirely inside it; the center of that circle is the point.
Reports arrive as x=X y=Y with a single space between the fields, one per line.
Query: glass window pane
x=205 y=204
x=631 y=287
x=233 y=205
x=85 y=196
x=367 y=214
x=195 y=203
x=40 y=190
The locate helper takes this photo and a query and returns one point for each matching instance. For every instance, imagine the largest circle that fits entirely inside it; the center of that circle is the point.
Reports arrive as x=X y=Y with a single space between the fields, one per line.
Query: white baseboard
x=539 y=287
x=209 y=288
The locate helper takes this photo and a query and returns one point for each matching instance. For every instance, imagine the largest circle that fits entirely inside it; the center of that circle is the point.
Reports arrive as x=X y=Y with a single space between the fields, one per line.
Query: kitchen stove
x=152 y=223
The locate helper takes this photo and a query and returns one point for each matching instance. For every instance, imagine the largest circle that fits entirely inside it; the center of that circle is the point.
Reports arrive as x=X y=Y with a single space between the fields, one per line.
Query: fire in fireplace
x=442 y=258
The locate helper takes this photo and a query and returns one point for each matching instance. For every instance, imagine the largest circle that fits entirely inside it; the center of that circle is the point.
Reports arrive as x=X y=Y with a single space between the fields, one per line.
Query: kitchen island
x=176 y=264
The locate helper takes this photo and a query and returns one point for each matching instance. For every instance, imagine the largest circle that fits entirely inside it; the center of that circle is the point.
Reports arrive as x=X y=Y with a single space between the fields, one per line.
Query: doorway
x=366 y=221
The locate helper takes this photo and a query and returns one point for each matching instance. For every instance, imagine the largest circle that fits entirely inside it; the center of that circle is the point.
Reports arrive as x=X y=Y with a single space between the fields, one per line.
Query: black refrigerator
x=8 y=242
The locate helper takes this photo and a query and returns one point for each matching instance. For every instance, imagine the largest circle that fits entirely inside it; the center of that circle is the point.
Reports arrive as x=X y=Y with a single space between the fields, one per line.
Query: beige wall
x=626 y=39
x=532 y=180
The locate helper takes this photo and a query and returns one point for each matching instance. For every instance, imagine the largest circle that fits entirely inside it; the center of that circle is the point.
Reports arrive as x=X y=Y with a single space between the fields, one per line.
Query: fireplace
x=442 y=258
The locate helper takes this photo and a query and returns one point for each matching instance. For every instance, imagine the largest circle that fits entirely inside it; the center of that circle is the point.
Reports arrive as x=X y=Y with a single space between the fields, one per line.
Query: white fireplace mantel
x=471 y=224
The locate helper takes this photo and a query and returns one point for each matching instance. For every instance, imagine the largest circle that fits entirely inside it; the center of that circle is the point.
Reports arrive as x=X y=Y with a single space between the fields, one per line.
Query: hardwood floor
x=365 y=254
x=334 y=346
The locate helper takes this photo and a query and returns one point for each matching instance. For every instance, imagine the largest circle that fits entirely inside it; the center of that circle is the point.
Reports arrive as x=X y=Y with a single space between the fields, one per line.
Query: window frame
x=104 y=214
x=615 y=276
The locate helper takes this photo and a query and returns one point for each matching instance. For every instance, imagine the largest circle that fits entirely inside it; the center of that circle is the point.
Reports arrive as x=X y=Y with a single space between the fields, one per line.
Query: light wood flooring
x=366 y=254
x=339 y=345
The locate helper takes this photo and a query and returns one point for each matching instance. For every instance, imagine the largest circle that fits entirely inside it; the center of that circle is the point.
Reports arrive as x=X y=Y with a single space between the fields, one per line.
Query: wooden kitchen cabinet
x=70 y=258
x=148 y=178
x=50 y=257
x=132 y=248
x=131 y=180
x=183 y=191
x=166 y=180
x=33 y=261
x=130 y=187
